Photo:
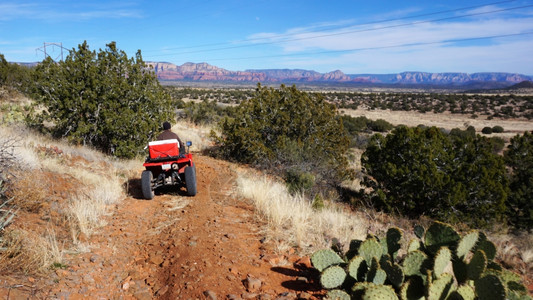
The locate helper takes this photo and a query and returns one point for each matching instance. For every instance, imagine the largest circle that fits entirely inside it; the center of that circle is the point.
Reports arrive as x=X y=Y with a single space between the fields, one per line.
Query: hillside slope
x=175 y=247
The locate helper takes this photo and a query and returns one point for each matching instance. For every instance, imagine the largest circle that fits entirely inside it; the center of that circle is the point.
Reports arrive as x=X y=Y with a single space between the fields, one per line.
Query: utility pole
x=51 y=45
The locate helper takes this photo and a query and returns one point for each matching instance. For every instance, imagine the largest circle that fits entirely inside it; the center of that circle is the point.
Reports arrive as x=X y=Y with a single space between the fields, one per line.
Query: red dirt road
x=176 y=247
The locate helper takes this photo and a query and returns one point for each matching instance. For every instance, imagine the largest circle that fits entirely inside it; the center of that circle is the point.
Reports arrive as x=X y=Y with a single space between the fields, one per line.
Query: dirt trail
x=177 y=247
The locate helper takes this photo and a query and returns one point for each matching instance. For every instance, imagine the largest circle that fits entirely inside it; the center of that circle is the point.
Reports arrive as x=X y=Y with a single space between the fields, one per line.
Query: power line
x=379 y=47
x=341 y=33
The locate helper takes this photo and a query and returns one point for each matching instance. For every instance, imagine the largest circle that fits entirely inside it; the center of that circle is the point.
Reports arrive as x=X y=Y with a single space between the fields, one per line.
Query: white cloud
x=62 y=12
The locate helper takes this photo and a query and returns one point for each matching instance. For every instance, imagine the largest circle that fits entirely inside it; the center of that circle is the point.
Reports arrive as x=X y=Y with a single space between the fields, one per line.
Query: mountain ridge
x=205 y=72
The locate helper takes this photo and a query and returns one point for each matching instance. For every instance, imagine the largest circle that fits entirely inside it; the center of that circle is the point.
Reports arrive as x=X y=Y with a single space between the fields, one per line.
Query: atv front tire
x=146 y=184
x=190 y=180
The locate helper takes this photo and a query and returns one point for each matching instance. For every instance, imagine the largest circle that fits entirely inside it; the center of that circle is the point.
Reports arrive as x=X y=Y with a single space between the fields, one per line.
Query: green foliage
x=205 y=112
x=103 y=99
x=459 y=269
x=519 y=157
x=423 y=171
x=282 y=129
x=15 y=76
x=487 y=130
x=298 y=181
x=497 y=129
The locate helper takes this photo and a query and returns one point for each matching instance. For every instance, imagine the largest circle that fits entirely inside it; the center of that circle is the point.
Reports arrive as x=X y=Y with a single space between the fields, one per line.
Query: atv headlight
x=175 y=166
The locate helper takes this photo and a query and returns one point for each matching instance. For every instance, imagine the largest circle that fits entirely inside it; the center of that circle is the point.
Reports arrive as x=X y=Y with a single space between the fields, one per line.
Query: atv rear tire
x=146 y=184
x=190 y=180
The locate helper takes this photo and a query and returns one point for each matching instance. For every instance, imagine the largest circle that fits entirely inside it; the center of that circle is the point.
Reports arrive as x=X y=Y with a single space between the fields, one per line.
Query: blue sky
x=352 y=36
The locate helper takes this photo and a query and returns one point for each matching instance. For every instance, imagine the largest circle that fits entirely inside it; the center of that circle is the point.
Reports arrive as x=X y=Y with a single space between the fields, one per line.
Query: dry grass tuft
x=28 y=192
x=197 y=134
x=293 y=222
x=28 y=252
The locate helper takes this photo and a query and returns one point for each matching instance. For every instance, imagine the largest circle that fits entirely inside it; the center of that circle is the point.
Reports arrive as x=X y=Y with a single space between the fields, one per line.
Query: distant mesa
x=205 y=72
x=522 y=85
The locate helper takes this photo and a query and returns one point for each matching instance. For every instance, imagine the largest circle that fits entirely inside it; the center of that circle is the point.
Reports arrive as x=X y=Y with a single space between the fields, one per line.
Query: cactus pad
x=394 y=236
x=466 y=292
x=477 y=265
x=370 y=248
x=325 y=258
x=440 y=234
x=442 y=259
x=338 y=295
x=487 y=246
x=490 y=287
x=419 y=231
x=332 y=277
x=375 y=273
x=414 y=244
x=467 y=243
x=394 y=273
x=440 y=288
x=413 y=289
x=380 y=292
x=357 y=268
x=413 y=263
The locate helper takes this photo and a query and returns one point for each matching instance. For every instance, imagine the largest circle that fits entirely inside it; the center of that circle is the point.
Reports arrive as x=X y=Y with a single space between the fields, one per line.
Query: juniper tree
x=103 y=99
x=284 y=129
x=423 y=171
x=519 y=157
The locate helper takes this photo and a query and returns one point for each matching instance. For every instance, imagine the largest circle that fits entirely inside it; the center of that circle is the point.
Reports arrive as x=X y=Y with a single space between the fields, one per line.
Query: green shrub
x=105 y=99
x=486 y=130
x=418 y=171
x=519 y=157
x=380 y=125
x=281 y=129
x=497 y=129
x=298 y=181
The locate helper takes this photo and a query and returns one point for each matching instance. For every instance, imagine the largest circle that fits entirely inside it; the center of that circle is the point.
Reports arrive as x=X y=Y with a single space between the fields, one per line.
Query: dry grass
x=197 y=134
x=292 y=222
x=70 y=187
x=29 y=252
x=291 y=219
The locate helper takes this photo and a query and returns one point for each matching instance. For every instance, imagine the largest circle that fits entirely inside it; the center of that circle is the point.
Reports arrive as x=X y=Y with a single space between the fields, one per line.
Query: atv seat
x=163 y=150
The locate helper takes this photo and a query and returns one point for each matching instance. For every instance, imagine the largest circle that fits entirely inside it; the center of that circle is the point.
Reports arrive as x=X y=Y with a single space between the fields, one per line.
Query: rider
x=167 y=134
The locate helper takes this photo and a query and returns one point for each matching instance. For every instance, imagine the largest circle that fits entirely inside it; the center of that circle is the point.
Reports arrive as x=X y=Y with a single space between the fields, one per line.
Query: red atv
x=165 y=167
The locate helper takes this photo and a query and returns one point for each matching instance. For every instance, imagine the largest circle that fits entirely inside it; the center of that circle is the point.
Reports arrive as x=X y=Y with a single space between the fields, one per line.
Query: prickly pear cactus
x=477 y=265
x=380 y=292
x=325 y=258
x=442 y=259
x=332 y=277
x=393 y=238
x=357 y=268
x=467 y=243
x=413 y=263
x=490 y=287
x=440 y=288
x=370 y=248
x=487 y=246
x=394 y=273
x=424 y=272
x=338 y=295
x=440 y=234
